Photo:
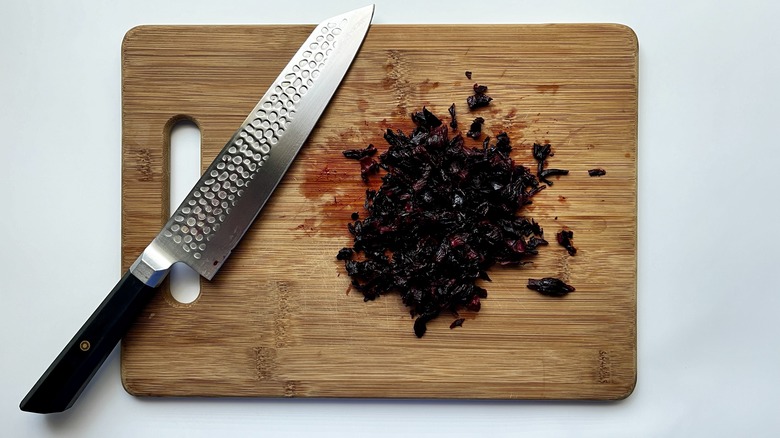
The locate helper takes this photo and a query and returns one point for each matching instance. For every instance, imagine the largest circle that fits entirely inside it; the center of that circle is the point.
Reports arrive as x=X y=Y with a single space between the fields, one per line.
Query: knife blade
x=221 y=206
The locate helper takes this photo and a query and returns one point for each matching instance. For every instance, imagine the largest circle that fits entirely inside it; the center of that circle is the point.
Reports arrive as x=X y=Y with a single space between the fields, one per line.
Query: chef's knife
x=219 y=208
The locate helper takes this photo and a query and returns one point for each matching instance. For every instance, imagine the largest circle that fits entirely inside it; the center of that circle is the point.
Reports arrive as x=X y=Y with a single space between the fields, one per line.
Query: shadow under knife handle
x=65 y=379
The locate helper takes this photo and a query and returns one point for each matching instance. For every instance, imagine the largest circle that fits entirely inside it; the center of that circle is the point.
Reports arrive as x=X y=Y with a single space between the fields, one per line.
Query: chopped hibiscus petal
x=541 y=153
x=478 y=100
x=480 y=89
x=368 y=166
x=551 y=287
x=564 y=239
x=357 y=154
x=454 y=121
x=345 y=254
x=476 y=128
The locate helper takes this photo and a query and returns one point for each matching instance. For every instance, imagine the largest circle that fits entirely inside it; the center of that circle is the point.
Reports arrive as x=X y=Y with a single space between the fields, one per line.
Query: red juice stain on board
x=548 y=88
x=428 y=85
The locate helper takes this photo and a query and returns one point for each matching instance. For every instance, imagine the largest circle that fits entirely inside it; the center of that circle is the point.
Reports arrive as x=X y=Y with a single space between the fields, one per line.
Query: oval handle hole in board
x=184 y=173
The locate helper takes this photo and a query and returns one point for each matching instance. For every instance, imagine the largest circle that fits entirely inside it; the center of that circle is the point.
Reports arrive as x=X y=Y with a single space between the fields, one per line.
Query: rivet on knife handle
x=220 y=207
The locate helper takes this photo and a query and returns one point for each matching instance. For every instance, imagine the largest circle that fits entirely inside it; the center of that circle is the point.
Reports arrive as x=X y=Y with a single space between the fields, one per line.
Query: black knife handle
x=61 y=384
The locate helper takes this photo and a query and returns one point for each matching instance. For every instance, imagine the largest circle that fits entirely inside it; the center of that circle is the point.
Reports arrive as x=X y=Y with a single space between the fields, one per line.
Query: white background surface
x=708 y=298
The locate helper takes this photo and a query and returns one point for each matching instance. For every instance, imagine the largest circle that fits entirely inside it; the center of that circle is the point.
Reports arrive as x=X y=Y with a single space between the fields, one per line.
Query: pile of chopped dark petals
x=444 y=214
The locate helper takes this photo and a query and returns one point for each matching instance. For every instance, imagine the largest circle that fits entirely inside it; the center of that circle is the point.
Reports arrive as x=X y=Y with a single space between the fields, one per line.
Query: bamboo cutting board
x=280 y=319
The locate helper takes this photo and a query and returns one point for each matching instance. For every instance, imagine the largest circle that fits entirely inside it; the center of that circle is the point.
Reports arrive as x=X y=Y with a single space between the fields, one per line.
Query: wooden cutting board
x=280 y=318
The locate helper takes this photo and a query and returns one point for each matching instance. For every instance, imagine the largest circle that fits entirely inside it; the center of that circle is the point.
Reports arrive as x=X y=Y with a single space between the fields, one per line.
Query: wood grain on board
x=280 y=318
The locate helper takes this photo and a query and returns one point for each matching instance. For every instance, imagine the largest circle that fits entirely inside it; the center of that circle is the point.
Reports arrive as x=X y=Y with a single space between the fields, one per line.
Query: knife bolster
x=152 y=266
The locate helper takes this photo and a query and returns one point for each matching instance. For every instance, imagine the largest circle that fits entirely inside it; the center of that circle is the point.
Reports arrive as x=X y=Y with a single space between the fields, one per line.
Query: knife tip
x=366 y=10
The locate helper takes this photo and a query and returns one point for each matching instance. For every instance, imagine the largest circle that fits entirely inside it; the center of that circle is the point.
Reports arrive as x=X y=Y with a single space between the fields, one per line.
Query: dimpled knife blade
x=220 y=207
